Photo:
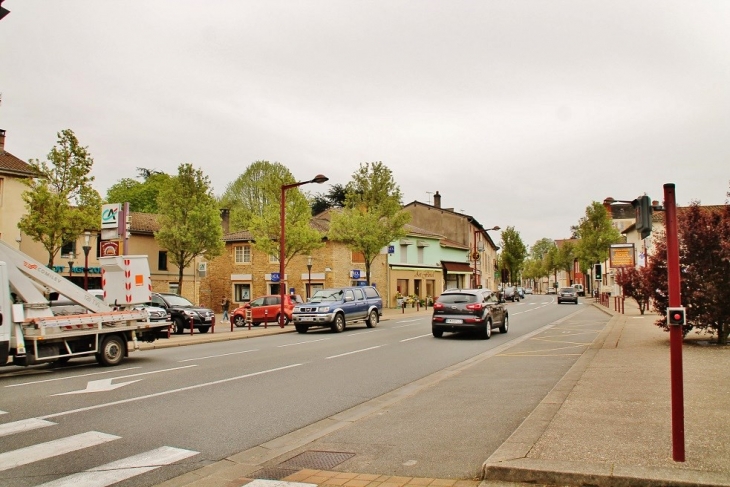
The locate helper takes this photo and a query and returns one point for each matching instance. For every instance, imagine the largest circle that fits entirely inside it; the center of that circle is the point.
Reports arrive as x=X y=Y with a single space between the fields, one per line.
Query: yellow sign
x=622 y=255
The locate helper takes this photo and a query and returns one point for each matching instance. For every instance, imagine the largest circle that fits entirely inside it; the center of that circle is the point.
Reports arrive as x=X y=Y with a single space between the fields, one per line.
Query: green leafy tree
x=61 y=203
x=513 y=253
x=189 y=218
x=373 y=215
x=596 y=234
x=566 y=257
x=539 y=254
x=704 y=260
x=141 y=195
x=254 y=199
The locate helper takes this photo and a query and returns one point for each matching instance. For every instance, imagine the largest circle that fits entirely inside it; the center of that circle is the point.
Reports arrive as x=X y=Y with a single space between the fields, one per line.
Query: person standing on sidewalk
x=225 y=306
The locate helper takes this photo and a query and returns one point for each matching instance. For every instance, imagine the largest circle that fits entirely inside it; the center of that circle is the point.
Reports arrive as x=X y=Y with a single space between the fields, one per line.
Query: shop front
x=457 y=275
x=411 y=285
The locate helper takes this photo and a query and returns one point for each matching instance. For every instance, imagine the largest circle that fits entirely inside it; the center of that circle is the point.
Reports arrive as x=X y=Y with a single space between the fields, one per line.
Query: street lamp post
x=309 y=279
x=70 y=266
x=319 y=179
x=86 y=247
x=475 y=253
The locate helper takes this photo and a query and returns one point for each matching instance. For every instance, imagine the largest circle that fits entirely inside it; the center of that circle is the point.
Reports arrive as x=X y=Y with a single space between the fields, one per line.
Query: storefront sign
x=622 y=255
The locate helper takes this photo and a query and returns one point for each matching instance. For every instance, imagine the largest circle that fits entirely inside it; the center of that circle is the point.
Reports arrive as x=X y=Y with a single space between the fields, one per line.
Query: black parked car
x=476 y=310
x=183 y=313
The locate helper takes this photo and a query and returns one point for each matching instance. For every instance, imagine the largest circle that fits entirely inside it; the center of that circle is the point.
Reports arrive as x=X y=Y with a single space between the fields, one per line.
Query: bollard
x=231 y=320
x=212 y=325
x=266 y=318
x=168 y=330
x=191 y=327
x=403 y=307
x=623 y=303
x=418 y=306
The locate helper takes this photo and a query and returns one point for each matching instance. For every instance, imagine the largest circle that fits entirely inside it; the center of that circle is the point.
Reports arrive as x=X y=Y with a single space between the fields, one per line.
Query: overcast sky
x=520 y=113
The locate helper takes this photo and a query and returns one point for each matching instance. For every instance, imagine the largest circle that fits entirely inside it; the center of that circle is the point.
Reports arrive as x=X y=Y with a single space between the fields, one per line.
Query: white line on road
x=3 y=412
x=164 y=393
x=41 y=451
x=406 y=321
x=413 y=338
x=123 y=469
x=73 y=377
x=216 y=356
x=302 y=343
x=22 y=426
x=360 y=333
x=354 y=351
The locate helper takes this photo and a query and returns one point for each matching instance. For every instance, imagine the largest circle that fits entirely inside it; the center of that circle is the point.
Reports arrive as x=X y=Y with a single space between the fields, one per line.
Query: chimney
x=607 y=205
x=437 y=200
x=2 y=141
x=225 y=220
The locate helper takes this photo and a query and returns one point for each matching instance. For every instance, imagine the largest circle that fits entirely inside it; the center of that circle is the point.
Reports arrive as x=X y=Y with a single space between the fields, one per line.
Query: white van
x=579 y=289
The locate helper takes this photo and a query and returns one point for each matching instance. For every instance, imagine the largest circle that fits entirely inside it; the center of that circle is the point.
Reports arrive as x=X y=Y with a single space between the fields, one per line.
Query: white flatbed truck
x=30 y=333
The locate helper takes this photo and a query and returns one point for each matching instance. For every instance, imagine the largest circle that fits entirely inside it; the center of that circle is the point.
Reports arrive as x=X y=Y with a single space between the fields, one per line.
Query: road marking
x=123 y=469
x=302 y=343
x=360 y=333
x=413 y=338
x=216 y=356
x=164 y=393
x=101 y=385
x=406 y=321
x=3 y=412
x=355 y=351
x=41 y=451
x=22 y=426
x=73 y=377
x=104 y=385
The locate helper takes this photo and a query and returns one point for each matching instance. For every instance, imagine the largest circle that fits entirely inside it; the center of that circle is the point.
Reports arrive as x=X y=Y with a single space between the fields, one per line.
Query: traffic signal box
x=597 y=272
x=642 y=206
x=676 y=317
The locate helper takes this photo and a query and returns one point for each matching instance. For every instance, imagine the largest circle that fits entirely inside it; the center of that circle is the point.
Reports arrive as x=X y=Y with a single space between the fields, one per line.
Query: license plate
x=208 y=318
x=454 y=322
x=306 y=318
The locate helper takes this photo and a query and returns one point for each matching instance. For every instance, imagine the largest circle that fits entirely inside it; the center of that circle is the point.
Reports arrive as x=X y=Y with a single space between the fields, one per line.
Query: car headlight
x=324 y=309
x=190 y=313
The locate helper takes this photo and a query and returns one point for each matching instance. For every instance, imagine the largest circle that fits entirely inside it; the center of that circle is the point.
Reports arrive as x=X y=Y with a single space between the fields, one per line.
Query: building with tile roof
x=13 y=173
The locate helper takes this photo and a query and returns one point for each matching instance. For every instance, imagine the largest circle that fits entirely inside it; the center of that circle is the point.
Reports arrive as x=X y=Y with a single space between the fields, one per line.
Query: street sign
x=275 y=277
x=391 y=249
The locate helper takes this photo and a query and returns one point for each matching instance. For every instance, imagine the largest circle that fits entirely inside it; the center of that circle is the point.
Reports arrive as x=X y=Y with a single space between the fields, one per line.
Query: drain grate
x=317 y=460
x=273 y=473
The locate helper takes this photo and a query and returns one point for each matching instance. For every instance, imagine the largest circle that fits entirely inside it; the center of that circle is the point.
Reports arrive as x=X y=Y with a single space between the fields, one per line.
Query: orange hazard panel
x=138 y=280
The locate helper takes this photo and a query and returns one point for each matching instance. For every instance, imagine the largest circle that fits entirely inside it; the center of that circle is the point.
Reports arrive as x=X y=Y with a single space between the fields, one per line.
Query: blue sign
x=275 y=277
x=356 y=273
x=391 y=249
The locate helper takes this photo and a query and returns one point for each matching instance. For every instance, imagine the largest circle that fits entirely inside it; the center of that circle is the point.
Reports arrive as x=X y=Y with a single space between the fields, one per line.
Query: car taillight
x=474 y=307
x=438 y=306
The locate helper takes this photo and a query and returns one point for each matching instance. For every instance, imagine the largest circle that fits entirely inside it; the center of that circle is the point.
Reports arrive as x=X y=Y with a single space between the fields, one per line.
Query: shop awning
x=456 y=267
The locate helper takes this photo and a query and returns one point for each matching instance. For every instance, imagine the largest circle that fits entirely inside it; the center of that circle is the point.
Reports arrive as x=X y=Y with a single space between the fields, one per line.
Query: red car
x=266 y=308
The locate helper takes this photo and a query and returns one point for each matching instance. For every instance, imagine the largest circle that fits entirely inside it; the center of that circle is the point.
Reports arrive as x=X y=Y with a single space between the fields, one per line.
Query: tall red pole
x=675 y=332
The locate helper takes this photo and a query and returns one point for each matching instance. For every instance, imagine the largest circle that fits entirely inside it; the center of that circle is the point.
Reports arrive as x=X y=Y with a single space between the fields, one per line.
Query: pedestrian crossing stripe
x=123 y=469
x=277 y=483
x=41 y=451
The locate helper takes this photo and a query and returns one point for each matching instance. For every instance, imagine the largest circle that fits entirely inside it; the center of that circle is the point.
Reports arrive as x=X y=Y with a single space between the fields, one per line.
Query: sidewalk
x=608 y=421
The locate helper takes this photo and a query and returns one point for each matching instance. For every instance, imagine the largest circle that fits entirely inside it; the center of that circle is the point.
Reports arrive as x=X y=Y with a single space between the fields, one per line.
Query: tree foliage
x=513 y=253
x=704 y=259
x=334 y=198
x=254 y=199
x=373 y=215
x=141 y=195
x=636 y=283
x=61 y=203
x=189 y=218
x=596 y=234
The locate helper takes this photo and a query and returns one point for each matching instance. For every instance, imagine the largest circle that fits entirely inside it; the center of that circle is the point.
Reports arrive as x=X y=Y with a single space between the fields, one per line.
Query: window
x=242 y=254
x=68 y=251
x=174 y=288
x=358 y=294
x=242 y=293
x=358 y=257
x=420 y=255
x=162 y=260
x=404 y=253
x=273 y=258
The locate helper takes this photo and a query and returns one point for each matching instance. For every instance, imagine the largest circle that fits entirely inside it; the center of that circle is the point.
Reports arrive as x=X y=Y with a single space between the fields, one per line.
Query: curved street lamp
x=319 y=179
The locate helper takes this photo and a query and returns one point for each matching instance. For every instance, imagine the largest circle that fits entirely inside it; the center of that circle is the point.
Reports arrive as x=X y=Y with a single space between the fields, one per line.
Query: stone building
x=13 y=172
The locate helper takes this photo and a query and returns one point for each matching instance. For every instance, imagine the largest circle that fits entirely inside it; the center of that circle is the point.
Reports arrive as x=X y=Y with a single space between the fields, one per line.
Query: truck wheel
x=301 y=328
x=339 y=324
x=203 y=329
x=372 y=320
x=112 y=351
x=178 y=326
x=239 y=321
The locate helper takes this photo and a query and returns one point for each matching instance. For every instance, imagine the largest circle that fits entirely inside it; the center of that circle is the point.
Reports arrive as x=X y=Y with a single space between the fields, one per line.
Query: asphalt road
x=186 y=407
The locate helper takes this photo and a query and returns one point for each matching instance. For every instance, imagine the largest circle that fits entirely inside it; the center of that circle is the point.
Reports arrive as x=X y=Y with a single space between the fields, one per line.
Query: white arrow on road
x=101 y=385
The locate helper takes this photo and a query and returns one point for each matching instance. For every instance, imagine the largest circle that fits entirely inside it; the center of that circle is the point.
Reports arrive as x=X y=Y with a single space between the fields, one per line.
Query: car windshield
x=176 y=300
x=457 y=298
x=327 y=295
x=567 y=290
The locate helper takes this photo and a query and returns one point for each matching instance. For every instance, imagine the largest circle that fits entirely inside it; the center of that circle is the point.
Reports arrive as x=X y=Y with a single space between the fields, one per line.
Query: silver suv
x=473 y=310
